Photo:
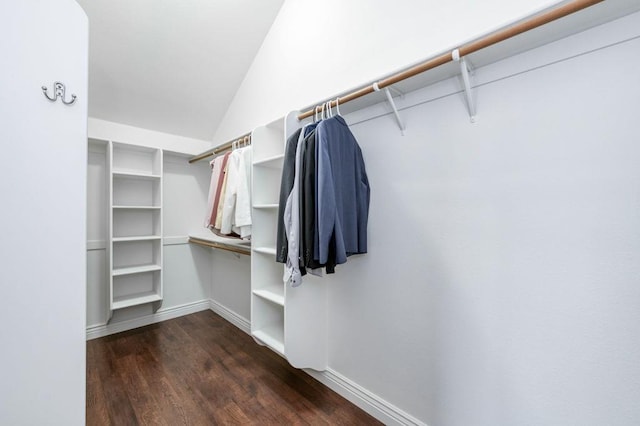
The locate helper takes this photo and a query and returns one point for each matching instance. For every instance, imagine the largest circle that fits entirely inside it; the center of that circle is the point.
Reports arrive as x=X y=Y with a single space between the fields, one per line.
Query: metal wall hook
x=59 y=92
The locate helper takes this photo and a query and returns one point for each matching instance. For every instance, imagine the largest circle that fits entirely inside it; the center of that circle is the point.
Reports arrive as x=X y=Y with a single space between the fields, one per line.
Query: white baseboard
x=239 y=321
x=382 y=410
x=101 y=330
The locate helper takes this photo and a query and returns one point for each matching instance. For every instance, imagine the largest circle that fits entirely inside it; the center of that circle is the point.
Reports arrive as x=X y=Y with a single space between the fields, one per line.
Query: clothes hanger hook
x=338 y=105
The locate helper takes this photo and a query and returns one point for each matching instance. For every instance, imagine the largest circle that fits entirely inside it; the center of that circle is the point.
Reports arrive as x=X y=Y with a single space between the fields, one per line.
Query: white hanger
x=338 y=105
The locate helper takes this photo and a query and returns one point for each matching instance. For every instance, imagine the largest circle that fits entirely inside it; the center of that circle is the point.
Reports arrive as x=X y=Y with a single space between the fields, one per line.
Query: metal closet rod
x=489 y=40
x=220 y=148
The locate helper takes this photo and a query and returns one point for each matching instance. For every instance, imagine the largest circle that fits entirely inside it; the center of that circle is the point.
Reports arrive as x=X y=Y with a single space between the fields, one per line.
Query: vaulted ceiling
x=172 y=65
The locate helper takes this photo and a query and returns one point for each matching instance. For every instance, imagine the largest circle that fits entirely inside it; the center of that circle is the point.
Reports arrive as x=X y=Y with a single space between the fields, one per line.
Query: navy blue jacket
x=343 y=192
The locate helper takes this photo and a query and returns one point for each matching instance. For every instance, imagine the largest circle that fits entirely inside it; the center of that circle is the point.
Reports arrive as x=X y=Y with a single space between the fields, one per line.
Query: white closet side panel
x=97 y=233
x=43 y=174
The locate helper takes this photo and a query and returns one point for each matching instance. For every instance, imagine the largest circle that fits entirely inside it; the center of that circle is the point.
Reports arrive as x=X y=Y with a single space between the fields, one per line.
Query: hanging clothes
x=221 y=194
x=236 y=208
x=243 y=197
x=343 y=192
x=325 y=215
x=286 y=184
x=292 y=271
x=229 y=200
x=308 y=212
x=216 y=171
x=218 y=167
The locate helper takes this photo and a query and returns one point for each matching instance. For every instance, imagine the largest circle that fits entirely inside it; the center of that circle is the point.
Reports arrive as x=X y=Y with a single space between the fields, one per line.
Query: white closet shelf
x=135 y=299
x=130 y=270
x=270 y=295
x=135 y=175
x=275 y=161
x=266 y=206
x=265 y=250
x=140 y=238
x=136 y=207
x=272 y=336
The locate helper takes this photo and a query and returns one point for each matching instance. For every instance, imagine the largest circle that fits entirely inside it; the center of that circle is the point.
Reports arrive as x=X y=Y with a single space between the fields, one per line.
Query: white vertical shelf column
x=267 y=288
x=135 y=226
x=291 y=321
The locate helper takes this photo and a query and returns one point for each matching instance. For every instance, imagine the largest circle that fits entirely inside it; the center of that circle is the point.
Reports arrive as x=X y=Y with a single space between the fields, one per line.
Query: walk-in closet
x=292 y=212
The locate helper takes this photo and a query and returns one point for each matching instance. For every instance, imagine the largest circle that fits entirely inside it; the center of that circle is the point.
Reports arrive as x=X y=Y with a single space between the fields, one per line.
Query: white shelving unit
x=135 y=226
x=291 y=321
x=267 y=288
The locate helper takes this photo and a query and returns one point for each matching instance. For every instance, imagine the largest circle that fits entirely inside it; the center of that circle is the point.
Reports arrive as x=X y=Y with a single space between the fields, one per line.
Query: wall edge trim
x=101 y=330
x=231 y=316
x=379 y=408
x=175 y=240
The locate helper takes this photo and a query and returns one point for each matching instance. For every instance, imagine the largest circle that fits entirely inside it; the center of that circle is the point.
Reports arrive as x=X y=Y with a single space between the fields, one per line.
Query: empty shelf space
x=270 y=295
x=135 y=175
x=265 y=250
x=272 y=336
x=136 y=207
x=136 y=269
x=135 y=299
x=275 y=161
x=138 y=238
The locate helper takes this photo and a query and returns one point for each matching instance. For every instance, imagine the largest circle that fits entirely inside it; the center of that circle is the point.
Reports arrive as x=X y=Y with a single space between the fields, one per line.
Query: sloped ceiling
x=172 y=65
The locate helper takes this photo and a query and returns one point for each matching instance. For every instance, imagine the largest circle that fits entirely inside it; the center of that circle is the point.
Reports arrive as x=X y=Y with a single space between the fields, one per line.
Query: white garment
x=236 y=211
x=292 y=275
x=243 y=197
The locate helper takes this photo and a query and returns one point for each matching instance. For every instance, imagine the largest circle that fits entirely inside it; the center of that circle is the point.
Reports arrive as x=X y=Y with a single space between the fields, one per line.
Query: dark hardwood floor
x=201 y=370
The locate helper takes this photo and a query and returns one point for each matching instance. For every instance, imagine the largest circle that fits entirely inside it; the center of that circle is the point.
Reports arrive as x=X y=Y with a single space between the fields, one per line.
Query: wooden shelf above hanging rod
x=220 y=148
x=486 y=41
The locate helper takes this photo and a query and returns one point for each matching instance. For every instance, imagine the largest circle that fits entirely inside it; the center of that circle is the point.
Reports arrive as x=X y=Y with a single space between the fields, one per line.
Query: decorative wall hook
x=59 y=91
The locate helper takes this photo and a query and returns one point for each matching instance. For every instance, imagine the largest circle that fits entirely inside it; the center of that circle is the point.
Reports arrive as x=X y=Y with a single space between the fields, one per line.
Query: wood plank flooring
x=201 y=370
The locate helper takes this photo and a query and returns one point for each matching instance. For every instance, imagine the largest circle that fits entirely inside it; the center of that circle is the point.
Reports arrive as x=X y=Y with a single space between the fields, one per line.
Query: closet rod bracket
x=466 y=71
x=393 y=105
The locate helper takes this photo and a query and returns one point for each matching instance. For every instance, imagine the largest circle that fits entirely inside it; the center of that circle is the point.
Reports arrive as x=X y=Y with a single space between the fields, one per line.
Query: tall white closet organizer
x=135 y=226
x=291 y=321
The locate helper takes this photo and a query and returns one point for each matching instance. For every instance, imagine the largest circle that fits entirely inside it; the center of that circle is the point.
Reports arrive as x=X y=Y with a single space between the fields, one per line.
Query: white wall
x=315 y=51
x=187 y=269
x=231 y=283
x=43 y=190
x=118 y=132
x=500 y=286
